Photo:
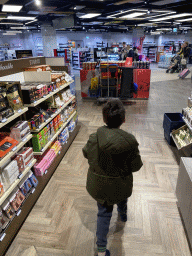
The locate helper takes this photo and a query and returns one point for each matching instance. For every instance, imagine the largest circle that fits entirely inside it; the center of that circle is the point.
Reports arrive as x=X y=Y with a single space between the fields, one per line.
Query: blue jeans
x=103 y=221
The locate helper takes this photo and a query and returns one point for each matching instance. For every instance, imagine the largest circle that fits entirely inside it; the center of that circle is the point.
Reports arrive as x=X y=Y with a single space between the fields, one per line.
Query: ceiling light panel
x=164 y=2
x=11 y=23
x=190 y=19
x=20 y=18
x=128 y=2
x=173 y=17
x=11 y=8
x=14 y=31
x=9 y=34
x=18 y=27
x=90 y=15
x=132 y=15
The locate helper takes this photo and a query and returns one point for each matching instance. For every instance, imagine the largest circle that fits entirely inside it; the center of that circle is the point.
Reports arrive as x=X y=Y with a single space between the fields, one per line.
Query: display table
x=183 y=193
x=141 y=77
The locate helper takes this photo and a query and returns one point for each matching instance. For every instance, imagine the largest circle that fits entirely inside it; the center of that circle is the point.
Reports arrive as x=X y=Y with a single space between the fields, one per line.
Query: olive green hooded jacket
x=112 y=155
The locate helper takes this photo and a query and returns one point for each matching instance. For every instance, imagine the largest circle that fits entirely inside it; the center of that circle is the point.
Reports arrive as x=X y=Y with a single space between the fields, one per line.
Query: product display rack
x=15 y=150
x=53 y=116
x=14 y=185
x=11 y=118
x=48 y=96
x=55 y=136
x=9 y=233
x=17 y=222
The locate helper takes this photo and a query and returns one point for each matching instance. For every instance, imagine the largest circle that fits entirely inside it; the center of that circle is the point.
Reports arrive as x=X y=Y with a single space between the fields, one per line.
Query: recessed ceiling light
x=38 y=2
x=90 y=15
x=11 y=8
x=132 y=15
x=148 y=12
x=20 y=18
x=167 y=29
x=75 y=8
x=173 y=16
x=190 y=19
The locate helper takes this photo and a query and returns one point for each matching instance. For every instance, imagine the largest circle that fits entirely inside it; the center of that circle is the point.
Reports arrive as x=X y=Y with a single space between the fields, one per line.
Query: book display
x=38 y=122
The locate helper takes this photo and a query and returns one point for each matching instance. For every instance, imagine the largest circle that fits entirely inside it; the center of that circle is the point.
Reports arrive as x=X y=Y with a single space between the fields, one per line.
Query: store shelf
x=14 y=185
x=11 y=118
x=16 y=149
x=49 y=95
x=53 y=116
x=55 y=136
x=187 y=123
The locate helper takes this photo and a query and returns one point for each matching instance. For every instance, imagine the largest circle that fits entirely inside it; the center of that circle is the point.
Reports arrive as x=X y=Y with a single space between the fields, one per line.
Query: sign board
x=15 y=66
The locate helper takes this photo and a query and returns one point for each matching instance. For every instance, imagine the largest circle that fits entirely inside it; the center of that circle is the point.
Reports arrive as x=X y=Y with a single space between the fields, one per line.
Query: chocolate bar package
x=8 y=210
x=33 y=180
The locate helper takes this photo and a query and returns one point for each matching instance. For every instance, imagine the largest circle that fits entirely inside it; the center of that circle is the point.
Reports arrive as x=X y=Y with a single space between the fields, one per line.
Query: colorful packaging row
x=13 y=169
x=14 y=203
x=41 y=166
x=34 y=91
x=38 y=68
x=89 y=65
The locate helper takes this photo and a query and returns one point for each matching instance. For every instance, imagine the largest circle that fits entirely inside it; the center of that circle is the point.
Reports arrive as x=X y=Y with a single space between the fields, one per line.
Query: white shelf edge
x=187 y=123
x=49 y=95
x=14 y=185
x=12 y=153
x=11 y=118
x=55 y=136
x=51 y=118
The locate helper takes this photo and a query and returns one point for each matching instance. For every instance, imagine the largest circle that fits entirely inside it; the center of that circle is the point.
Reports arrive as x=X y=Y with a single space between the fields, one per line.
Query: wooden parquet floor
x=63 y=221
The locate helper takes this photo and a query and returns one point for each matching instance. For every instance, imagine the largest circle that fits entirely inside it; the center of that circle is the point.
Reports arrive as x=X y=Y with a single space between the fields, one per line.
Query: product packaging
x=8 y=210
x=4 y=221
x=33 y=180
x=13 y=97
x=6 y=145
x=20 y=130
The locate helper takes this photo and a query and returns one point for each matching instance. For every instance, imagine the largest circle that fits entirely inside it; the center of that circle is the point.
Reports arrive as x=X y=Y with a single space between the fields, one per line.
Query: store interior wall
x=33 y=41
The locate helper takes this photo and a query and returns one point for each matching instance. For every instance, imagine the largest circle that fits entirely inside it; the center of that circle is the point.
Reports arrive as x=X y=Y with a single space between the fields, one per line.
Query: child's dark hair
x=114 y=113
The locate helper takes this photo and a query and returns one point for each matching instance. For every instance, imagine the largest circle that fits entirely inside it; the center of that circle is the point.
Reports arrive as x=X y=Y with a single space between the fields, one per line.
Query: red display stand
x=129 y=62
x=142 y=78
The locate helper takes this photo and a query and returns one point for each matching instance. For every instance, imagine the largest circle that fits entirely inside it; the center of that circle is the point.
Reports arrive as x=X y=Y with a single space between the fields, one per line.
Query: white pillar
x=49 y=40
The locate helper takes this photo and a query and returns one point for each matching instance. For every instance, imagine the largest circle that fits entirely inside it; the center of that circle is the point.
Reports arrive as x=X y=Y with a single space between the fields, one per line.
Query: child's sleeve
x=136 y=163
x=88 y=147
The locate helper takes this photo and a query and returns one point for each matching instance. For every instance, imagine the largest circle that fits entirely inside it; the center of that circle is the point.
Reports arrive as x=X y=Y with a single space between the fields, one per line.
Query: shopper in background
x=185 y=50
x=130 y=52
x=136 y=55
x=113 y=156
x=173 y=48
x=124 y=51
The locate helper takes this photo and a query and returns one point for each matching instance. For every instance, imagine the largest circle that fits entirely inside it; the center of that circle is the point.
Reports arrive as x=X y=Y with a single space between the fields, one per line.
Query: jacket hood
x=113 y=140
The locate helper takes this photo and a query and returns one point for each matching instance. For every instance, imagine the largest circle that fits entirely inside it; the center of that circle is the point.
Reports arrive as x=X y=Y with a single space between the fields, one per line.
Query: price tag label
x=4 y=120
x=44 y=96
x=46 y=172
x=2 y=237
x=33 y=190
x=24 y=139
x=20 y=110
x=18 y=213
x=59 y=152
x=20 y=176
x=14 y=149
x=35 y=102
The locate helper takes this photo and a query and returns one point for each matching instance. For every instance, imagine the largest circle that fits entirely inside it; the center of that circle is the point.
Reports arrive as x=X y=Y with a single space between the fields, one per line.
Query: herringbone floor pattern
x=63 y=221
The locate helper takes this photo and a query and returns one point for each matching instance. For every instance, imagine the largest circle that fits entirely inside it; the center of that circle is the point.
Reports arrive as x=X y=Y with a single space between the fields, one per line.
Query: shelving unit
x=55 y=136
x=53 y=116
x=15 y=150
x=14 y=185
x=11 y=118
x=49 y=95
x=7 y=235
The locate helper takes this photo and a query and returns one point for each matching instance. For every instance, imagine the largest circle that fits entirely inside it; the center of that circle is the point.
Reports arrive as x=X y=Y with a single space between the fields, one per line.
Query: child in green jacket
x=113 y=156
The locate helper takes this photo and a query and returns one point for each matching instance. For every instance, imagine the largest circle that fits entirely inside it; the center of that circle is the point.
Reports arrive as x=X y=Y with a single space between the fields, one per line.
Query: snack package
x=20 y=196
x=6 y=145
x=20 y=130
x=13 y=97
x=33 y=180
x=8 y=210
x=15 y=202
